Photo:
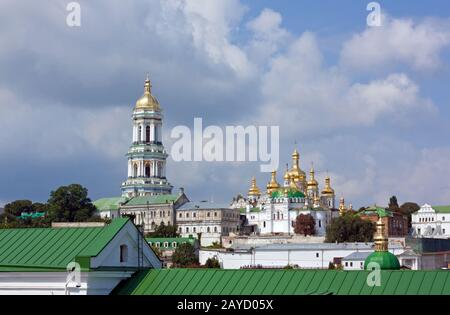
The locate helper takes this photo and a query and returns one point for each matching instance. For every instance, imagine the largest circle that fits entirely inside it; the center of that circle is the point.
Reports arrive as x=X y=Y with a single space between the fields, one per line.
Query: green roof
x=292 y=193
x=170 y=240
x=381 y=212
x=157 y=199
x=107 y=204
x=386 y=261
x=52 y=249
x=283 y=282
x=441 y=209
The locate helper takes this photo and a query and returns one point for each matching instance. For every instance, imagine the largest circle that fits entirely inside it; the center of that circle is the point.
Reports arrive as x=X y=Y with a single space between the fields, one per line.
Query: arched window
x=139 y=134
x=135 y=170
x=123 y=253
x=147 y=170
x=147 y=134
x=208 y=229
x=187 y=229
x=215 y=229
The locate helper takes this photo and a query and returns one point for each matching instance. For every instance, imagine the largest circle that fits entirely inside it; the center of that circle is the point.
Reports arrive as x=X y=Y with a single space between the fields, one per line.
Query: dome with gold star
x=147 y=101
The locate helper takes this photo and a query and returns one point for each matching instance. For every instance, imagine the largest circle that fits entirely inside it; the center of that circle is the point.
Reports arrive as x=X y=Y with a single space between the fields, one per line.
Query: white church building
x=431 y=221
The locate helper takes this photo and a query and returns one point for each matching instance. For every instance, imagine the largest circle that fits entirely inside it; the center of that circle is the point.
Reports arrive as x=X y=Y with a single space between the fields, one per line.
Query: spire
x=342 y=209
x=381 y=242
x=147 y=86
x=312 y=181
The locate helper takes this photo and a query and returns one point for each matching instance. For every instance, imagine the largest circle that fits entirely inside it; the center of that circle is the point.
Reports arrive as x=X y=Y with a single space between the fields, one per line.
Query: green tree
x=393 y=204
x=164 y=230
x=212 y=263
x=184 y=256
x=16 y=208
x=349 y=228
x=407 y=209
x=70 y=204
x=305 y=224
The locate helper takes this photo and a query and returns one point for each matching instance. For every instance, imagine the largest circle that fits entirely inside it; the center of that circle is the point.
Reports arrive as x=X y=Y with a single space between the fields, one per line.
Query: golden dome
x=254 y=190
x=297 y=174
x=327 y=189
x=147 y=101
x=312 y=182
x=342 y=209
x=273 y=184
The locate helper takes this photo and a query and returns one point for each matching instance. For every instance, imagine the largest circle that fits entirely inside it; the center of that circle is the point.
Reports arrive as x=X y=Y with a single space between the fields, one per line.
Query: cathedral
x=275 y=210
x=146 y=155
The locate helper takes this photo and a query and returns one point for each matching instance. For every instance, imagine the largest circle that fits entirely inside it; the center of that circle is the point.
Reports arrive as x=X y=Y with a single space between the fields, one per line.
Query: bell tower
x=146 y=155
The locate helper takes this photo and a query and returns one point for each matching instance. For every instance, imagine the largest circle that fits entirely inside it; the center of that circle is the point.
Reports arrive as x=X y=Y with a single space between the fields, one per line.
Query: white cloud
x=306 y=97
x=398 y=41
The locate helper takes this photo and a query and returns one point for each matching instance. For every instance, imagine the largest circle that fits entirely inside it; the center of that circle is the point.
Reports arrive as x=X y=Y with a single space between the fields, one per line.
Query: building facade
x=211 y=220
x=275 y=210
x=167 y=246
x=146 y=155
x=431 y=221
x=396 y=224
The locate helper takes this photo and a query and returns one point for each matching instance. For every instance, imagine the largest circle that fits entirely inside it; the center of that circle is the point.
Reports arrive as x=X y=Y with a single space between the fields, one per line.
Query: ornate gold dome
x=327 y=189
x=296 y=172
x=147 y=101
x=254 y=190
x=312 y=182
x=273 y=184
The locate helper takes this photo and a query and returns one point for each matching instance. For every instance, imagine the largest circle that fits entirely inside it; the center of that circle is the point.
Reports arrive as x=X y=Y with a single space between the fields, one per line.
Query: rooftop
x=283 y=282
x=442 y=209
x=52 y=249
x=203 y=206
x=312 y=246
x=357 y=256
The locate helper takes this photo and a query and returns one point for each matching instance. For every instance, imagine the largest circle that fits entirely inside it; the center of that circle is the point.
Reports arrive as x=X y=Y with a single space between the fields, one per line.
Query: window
x=147 y=134
x=443 y=218
x=174 y=244
x=194 y=214
x=179 y=229
x=264 y=224
x=208 y=214
x=215 y=214
x=123 y=253
x=157 y=244
x=195 y=230
x=346 y=264
x=147 y=171
x=187 y=215
x=320 y=223
x=208 y=229
x=443 y=231
x=317 y=255
x=139 y=133
x=351 y=264
x=135 y=170
x=215 y=229
x=187 y=229
x=180 y=215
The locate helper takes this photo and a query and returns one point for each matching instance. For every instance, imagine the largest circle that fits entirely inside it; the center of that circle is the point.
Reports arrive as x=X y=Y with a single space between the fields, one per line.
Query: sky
x=367 y=105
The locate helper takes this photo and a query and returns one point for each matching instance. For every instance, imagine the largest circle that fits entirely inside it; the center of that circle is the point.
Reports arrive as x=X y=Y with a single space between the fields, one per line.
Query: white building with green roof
x=431 y=221
x=149 y=211
x=72 y=260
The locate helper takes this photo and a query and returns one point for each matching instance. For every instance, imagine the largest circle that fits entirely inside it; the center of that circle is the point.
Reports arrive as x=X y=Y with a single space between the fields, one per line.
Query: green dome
x=386 y=260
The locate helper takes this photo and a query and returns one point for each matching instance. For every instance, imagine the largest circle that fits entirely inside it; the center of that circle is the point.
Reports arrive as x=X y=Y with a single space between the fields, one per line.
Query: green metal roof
x=441 y=209
x=283 y=282
x=158 y=199
x=170 y=240
x=375 y=210
x=44 y=249
x=107 y=204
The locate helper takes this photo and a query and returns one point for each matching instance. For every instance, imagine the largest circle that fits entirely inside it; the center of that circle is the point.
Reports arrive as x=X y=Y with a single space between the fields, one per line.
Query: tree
x=349 y=228
x=184 y=256
x=16 y=208
x=212 y=263
x=393 y=204
x=164 y=230
x=407 y=209
x=305 y=224
x=70 y=204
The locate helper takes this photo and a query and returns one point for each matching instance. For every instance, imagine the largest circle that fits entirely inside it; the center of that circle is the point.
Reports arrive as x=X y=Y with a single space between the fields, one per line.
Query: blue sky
x=370 y=105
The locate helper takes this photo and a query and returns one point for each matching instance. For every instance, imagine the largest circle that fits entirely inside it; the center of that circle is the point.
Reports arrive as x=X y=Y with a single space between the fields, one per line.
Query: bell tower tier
x=146 y=156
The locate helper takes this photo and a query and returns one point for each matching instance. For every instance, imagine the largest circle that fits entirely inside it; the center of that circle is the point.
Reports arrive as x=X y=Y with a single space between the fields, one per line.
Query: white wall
x=314 y=259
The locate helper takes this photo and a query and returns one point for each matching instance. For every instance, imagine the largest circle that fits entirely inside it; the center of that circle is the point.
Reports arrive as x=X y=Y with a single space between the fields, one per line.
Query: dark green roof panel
x=279 y=282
